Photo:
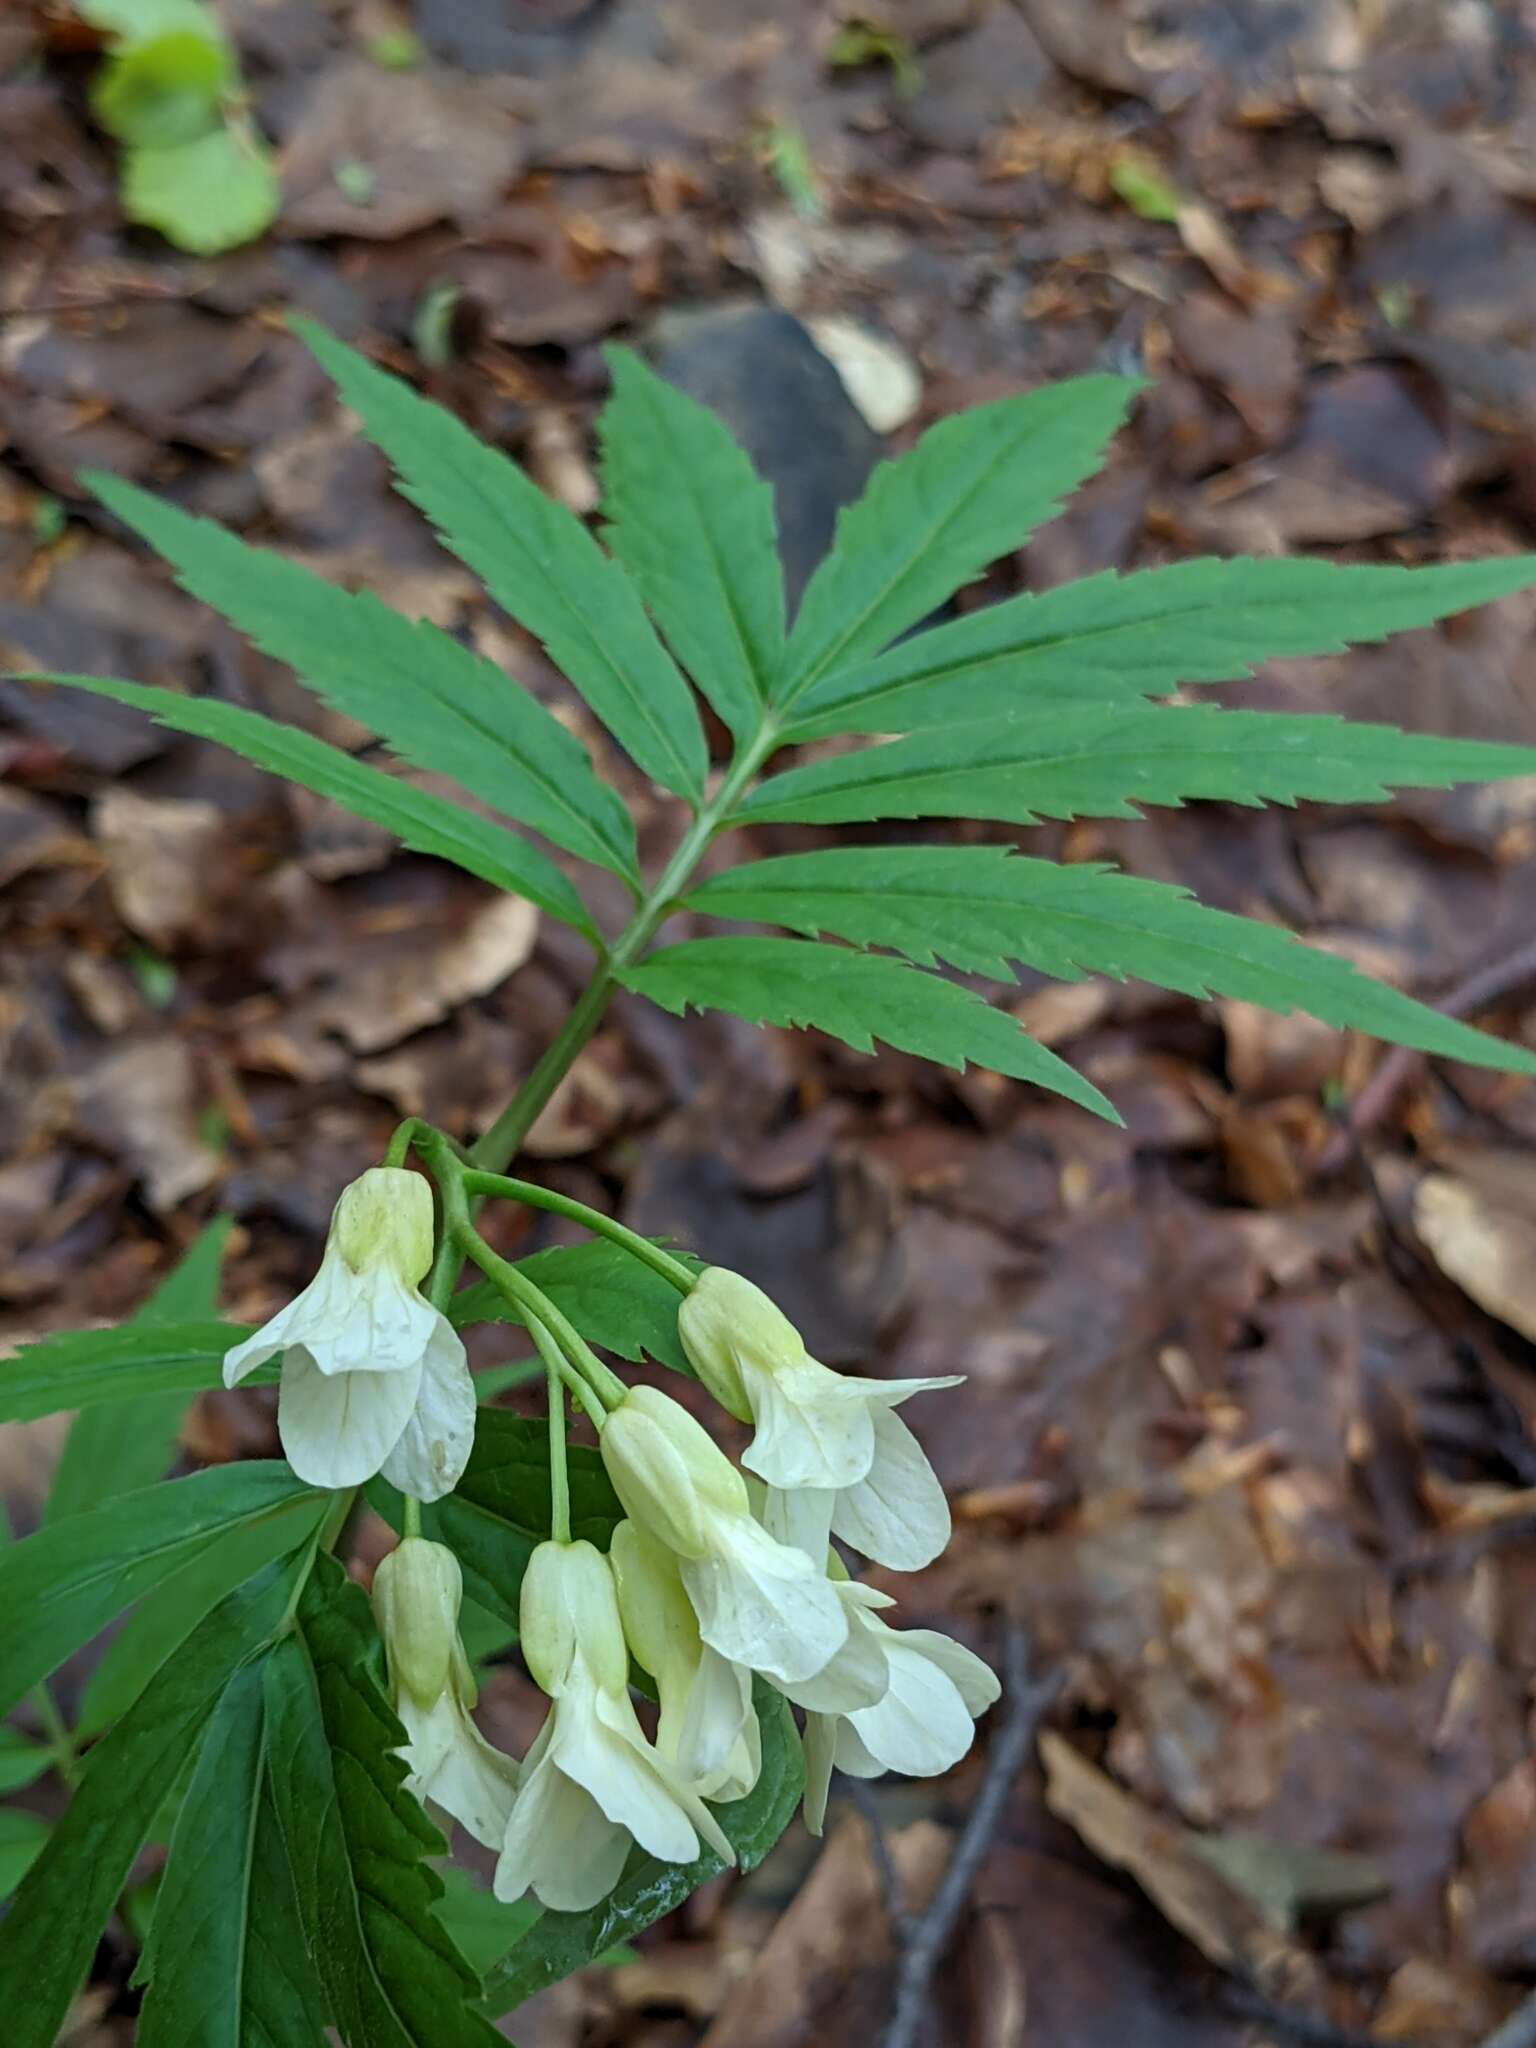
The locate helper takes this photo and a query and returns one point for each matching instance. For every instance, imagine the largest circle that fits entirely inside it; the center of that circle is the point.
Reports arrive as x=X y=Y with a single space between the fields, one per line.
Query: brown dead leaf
x=1166 y=1860
x=386 y=1002
x=1429 y=2000
x=1488 y=1249
x=1492 y=1899
x=140 y=1104
x=162 y=863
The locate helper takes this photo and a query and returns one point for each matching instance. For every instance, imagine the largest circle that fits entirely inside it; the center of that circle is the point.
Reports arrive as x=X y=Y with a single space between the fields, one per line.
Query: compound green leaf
x=79 y=1368
x=692 y=522
x=49 y=1935
x=1114 y=638
x=857 y=997
x=1106 y=761
x=981 y=908
x=558 y=1943
x=537 y=560
x=425 y=823
x=973 y=488
x=358 y=1844
x=433 y=701
x=226 y=1961
x=59 y=1586
x=106 y=1454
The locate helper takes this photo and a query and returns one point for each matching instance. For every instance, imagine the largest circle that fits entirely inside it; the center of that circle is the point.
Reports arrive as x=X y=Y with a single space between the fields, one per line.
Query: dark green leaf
x=21 y=1760
x=558 y=1943
x=482 y=1928
x=1106 y=761
x=973 y=488
x=537 y=560
x=80 y=1368
x=983 y=907
x=105 y=1453
x=22 y=1836
x=1110 y=638
x=433 y=701
x=58 y=1587
x=48 y=1937
x=692 y=522
x=857 y=997
x=612 y=1298
x=425 y=823
x=501 y=1507
x=358 y=1844
x=226 y=1962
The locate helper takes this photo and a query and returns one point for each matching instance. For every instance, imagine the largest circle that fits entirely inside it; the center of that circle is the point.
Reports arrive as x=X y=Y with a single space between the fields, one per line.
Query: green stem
x=589 y=1379
x=559 y=1476
x=535 y=1197
x=501 y=1143
x=410 y=1520
x=61 y=1744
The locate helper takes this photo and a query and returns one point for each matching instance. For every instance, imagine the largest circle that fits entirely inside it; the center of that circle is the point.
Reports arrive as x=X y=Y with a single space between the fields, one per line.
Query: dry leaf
x=1487 y=1249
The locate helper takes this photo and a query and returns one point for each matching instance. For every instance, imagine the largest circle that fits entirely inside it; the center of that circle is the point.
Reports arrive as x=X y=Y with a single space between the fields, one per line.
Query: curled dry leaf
x=161 y=860
x=1484 y=1243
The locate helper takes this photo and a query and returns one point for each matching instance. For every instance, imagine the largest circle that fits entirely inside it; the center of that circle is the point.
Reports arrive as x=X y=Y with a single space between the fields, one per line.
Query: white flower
x=417 y=1592
x=706 y=1725
x=818 y=1432
x=758 y=1602
x=374 y=1379
x=591 y=1784
x=923 y=1724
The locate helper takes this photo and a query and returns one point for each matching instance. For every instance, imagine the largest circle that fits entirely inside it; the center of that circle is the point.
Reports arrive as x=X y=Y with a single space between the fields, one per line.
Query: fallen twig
x=925 y=1938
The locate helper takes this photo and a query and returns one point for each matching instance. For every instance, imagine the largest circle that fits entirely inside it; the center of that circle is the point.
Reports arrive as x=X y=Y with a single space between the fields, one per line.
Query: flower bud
x=726 y=1322
x=568 y=1604
x=384 y=1218
x=658 y=1619
x=668 y=1471
x=417 y=1591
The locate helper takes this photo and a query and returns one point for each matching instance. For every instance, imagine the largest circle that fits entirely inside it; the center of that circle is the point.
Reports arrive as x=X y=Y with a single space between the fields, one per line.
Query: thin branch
x=1027 y=1699
x=1305 y=2027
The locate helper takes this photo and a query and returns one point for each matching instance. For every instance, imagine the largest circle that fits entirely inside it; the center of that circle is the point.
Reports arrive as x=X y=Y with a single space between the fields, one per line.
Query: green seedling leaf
x=215 y=193
x=161 y=91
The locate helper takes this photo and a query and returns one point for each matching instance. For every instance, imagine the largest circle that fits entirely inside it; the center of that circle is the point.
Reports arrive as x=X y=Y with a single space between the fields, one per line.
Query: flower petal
x=265 y=1343
x=761 y=1604
x=813 y=1427
x=560 y=1844
x=717 y=1711
x=921 y=1727
x=453 y=1765
x=898 y=1515
x=975 y=1681
x=338 y=1430
x=857 y=1676
x=891 y=1393
x=801 y=1518
x=594 y=1746
x=429 y=1458
x=821 y=1732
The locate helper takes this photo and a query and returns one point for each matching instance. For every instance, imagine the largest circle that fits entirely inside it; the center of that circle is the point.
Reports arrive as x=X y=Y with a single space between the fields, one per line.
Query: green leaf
x=692 y=522
x=59 y=1586
x=501 y=1507
x=22 y=1761
x=537 y=560
x=80 y=1368
x=432 y=701
x=226 y=1961
x=167 y=1614
x=22 y=1836
x=357 y=1842
x=164 y=89
x=207 y=196
x=48 y=1937
x=857 y=997
x=1106 y=761
x=426 y=823
x=135 y=20
x=1114 y=638
x=481 y=1927
x=102 y=1455
x=559 y=1943
x=612 y=1298
x=982 y=907
x=973 y=488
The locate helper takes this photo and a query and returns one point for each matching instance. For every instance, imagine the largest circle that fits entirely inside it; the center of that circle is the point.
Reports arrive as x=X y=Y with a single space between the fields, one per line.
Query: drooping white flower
x=818 y=1432
x=417 y=1593
x=374 y=1379
x=706 y=1725
x=591 y=1783
x=758 y=1602
x=921 y=1726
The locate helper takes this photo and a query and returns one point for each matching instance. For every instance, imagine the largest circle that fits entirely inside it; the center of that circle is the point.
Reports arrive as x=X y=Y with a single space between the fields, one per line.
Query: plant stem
x=535 y=1197
x=559 y=1477
x=580 y=1367
x=61 y=1744
x=504 y=1139
x=410 y=1520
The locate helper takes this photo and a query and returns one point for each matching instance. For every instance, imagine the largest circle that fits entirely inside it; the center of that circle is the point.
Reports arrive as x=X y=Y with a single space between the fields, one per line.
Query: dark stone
x=785 y=403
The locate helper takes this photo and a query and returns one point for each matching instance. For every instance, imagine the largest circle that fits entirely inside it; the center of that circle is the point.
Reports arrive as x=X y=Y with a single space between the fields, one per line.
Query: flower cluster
x=716 y=1577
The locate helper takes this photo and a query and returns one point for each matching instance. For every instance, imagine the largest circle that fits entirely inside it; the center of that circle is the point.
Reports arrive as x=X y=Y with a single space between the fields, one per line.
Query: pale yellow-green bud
x=417 y=1591
x=726 y=1322
x=670 y=1474
x=568 y=1604
x=384 y=1218
x=657 y=1614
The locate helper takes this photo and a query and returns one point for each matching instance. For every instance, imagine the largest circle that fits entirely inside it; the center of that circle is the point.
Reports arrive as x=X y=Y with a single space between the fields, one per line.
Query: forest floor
x=1253 y=1476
